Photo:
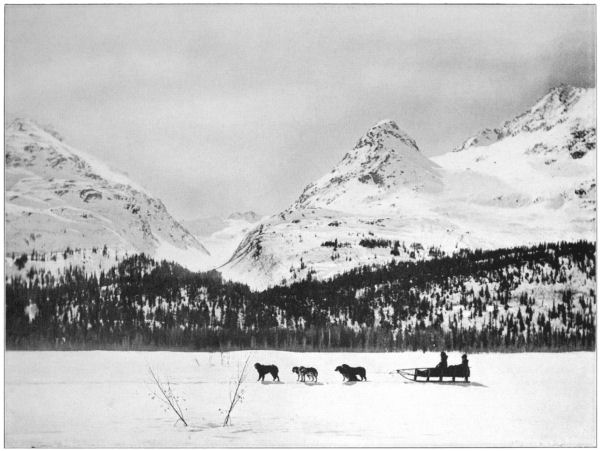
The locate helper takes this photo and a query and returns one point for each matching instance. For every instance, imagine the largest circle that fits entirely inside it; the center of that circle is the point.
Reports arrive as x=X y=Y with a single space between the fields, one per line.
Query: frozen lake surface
x=102 y=399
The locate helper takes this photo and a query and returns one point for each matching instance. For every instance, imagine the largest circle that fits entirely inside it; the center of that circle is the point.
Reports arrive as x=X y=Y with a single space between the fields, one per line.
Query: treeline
x=524 y=298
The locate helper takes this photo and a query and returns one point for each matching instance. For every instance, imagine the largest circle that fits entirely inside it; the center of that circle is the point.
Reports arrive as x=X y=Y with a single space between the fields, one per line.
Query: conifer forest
x=535 y=298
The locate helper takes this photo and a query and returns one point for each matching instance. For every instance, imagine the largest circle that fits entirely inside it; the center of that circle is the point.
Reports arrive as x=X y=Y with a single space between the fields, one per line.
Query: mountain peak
x=564 y=88
x=560 y=97
x=249 y=216
x=386 y=159
x=33 y=144
x=29 y=125
x=22 y=124
x=386 y=124
x=555 y=107
x=382 y=133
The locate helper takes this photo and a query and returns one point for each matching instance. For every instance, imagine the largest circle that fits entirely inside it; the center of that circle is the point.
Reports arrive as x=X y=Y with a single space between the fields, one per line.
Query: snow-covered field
x=102 y=399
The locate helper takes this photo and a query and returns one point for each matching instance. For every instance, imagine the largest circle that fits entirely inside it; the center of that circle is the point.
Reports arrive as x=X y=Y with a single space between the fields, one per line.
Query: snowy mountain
x=221 y=236
x=530 y=180
x=248 y=216
x=383 y=161
x=58 y=197
x=561 y=104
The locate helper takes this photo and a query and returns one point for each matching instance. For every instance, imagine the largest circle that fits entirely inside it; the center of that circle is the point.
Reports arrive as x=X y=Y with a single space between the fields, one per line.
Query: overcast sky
x=221 y=108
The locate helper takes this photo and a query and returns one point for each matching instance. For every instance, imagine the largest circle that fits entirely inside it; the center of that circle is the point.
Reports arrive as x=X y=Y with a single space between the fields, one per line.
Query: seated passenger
x=439 y=370
x=444 y=363
x=461 y=370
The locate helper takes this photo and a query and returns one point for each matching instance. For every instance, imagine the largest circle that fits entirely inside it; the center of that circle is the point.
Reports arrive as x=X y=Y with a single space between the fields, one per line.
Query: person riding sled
x=438 y=371
x=461 y=370
x=443 y=365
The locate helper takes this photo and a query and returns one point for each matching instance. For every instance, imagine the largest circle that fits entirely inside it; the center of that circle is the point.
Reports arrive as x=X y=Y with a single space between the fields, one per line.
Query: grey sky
x=218 y=108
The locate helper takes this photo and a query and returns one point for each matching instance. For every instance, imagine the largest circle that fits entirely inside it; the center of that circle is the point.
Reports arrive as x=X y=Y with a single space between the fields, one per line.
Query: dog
x=311 y=373
x=352 y=373
x=304 y=372
x=298 y=371
x=266 y=369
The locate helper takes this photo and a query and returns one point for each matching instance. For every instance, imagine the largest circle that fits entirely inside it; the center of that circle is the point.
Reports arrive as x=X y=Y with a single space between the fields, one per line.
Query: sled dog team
x=303 y=373
x=354 y=374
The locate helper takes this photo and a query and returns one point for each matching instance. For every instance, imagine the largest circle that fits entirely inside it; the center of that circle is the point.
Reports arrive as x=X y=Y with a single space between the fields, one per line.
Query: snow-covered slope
x=531 y=180
x=58 y=197
x=221 y=236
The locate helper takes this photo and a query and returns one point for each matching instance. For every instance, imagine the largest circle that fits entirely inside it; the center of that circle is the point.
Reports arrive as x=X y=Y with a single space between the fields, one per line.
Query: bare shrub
x=166 y=395
x=238 y=395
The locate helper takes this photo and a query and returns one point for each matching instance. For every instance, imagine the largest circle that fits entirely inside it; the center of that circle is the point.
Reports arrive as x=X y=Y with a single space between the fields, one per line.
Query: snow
x=192 y=258
x=101 y=399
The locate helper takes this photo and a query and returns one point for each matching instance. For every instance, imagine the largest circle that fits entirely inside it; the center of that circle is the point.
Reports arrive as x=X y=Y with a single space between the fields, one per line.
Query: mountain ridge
x=533 y=180
x=59 y=197
x=547 y=112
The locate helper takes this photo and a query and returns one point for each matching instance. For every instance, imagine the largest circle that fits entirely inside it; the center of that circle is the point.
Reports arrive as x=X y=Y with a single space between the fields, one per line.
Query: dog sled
x=431 y=376
x=440 y=372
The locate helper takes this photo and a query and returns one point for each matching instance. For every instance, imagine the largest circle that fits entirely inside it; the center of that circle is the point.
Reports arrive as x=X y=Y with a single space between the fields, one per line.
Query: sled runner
x=433 y=375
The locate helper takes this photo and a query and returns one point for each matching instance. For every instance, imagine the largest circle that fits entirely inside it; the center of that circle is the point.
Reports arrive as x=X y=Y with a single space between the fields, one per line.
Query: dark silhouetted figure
x=461 y=370
x=266 y=369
